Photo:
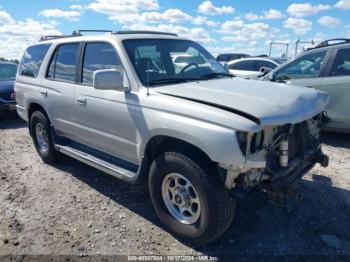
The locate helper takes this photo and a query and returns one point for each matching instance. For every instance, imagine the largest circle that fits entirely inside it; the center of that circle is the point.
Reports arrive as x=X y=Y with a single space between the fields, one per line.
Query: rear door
x=303 y=71
x=59 y=85
x=104 y=117
x=337 y=84
x=242 y=68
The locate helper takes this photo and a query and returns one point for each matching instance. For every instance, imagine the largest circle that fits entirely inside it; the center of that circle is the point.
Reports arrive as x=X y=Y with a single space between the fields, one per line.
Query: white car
x=180 y=61
x=250 y=67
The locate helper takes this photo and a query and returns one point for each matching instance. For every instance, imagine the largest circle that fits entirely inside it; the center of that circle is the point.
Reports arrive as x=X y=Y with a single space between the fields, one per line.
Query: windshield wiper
x=174 y=80
x=213 y=75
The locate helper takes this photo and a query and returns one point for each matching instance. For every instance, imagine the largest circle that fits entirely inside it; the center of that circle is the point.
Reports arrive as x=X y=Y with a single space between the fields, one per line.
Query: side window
x=32 y=60
x=341 y=66
x=63 y=63
x=243 y=65
x=98 y=56
x=308 y=66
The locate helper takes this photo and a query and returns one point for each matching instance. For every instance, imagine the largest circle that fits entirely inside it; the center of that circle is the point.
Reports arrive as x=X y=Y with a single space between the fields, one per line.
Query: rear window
x=243 y=65
x=32 y=60
x=7 y=71
x=63 y=63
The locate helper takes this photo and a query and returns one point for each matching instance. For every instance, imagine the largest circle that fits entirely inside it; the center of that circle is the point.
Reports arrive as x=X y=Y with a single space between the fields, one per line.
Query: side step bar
x=99 y=164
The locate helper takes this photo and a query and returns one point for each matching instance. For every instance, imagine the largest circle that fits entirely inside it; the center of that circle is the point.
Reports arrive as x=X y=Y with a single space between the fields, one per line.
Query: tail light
x=13 y=95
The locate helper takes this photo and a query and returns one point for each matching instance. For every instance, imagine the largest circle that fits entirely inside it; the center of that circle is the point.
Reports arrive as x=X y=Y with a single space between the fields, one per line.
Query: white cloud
x=252 y=17
x=15 y=36
x=169 y=16
x=200 y=20
x=208 y=8
x=343 y=4
x=197 y=33
x=301 y=10
x=114 y=8
x=212 y=23
x=229 y=26
x=273 y=14
x=76 y=7
x=57 y=13
x=329 y=21
x=299 y=26
x=238 y=31
x=5 y=17
x=268 y=15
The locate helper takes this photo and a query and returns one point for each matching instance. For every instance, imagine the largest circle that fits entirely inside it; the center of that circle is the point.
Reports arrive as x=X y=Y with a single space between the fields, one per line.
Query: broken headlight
x=257 y=142
x=242 y=138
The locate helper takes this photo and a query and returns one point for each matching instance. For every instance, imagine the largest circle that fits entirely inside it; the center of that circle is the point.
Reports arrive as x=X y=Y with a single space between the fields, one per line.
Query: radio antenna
x=147 y=77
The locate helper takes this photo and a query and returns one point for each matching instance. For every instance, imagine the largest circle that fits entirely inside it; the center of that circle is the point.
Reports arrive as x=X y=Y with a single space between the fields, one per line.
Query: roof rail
x=338 y=41
x=50 y=37
x=78 y=32
x=143 y=32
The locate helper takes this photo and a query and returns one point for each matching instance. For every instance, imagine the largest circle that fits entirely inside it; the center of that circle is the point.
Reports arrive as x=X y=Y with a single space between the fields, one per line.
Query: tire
x=216 y=207
x=47 y=153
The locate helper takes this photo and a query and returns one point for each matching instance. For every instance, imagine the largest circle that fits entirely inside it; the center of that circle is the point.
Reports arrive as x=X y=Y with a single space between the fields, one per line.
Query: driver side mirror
x=265 y=70
x=109 y=79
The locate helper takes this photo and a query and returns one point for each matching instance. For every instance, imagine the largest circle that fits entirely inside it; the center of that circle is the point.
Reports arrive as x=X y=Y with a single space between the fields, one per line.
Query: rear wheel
x=41 y=134
x=189 y=199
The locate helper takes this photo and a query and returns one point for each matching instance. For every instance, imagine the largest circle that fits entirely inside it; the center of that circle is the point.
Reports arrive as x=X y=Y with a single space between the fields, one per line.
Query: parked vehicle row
x=154 y=107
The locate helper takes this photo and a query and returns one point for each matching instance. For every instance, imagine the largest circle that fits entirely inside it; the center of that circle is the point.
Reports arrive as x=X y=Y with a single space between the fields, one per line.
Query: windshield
x=162 y=61
x=8 y=71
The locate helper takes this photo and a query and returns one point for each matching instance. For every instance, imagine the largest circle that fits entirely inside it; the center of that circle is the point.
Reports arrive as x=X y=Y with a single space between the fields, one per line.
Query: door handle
x=44 y=93
x=81 y=100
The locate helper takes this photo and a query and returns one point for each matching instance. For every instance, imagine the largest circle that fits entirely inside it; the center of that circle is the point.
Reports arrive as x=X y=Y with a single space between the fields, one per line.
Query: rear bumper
x=296 y=170
x=7 y=105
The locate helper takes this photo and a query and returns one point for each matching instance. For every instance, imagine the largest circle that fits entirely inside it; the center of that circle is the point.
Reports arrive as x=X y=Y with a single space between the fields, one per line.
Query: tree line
x=9 y=60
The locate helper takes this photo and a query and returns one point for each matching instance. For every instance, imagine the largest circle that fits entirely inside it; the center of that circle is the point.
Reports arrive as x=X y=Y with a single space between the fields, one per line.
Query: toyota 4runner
x=199 y=136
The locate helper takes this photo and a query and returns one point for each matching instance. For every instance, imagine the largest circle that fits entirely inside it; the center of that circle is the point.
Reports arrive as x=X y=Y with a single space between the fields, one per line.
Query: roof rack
x=143 y=32
x=79 y=33
x=50 y=37
x=338 y=41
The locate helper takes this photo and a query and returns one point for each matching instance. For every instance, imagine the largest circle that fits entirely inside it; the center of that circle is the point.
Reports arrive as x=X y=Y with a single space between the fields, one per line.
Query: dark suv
x=7 y=78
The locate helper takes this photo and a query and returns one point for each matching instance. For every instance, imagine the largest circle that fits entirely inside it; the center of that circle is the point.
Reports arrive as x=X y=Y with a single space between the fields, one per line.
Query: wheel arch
x=162 y=143
x=33 y=107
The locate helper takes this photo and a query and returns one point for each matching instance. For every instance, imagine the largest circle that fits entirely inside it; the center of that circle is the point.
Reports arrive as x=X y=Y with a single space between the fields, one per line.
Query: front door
x=105 y=117
x=303 y=71
x=337 y=85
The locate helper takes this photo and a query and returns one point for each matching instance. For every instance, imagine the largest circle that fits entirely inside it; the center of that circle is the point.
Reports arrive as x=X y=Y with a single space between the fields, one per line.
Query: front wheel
x=189 y=198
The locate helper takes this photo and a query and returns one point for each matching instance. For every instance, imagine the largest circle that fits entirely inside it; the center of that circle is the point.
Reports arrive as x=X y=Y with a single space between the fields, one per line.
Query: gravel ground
x=73 y=209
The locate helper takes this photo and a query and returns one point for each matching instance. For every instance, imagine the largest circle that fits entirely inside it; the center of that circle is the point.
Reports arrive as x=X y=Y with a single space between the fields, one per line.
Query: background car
x=7 y=78
x=224 y=58
x=325 y=67
x=250 y=67
x=180 y=61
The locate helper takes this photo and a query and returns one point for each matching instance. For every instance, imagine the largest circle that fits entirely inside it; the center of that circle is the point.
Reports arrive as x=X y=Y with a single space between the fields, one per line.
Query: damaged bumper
x=278 y=156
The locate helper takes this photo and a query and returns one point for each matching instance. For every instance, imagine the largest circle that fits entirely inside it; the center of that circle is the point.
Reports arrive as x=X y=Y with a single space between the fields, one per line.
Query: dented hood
x=265 y=103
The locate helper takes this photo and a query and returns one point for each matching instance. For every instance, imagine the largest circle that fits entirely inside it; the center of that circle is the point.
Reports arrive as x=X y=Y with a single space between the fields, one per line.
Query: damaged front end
x=278 y=156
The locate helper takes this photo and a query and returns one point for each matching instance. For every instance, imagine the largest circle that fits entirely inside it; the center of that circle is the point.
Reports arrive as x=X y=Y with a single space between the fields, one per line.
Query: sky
x=220 y=26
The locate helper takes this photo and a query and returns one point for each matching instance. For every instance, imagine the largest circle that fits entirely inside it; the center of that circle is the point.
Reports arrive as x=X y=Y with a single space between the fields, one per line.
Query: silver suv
x=199 y=136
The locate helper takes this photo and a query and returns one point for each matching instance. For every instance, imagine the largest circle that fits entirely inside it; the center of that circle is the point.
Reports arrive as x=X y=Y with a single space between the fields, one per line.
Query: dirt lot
x=72 y=209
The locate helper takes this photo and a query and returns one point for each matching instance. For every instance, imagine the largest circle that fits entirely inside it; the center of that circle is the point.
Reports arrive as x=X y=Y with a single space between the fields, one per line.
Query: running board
x=104 y=166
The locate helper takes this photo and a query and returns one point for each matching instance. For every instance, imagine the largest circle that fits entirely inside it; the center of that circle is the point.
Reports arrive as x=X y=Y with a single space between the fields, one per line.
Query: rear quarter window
x=32 y=60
